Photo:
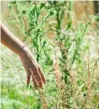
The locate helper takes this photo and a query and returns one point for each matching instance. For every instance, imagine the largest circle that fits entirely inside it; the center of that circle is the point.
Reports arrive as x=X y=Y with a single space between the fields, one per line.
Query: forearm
x=9 y=40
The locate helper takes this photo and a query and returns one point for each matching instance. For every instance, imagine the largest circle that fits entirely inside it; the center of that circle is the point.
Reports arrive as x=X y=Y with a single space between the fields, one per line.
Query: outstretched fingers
x=41 y=75
x=36 y=78
x=28 y=78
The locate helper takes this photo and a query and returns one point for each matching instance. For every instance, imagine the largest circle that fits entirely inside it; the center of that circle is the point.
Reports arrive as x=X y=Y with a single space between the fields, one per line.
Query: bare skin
x=31 y=66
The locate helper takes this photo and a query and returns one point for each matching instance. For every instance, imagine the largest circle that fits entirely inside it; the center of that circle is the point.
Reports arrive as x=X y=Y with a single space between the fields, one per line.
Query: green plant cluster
x=35 y=19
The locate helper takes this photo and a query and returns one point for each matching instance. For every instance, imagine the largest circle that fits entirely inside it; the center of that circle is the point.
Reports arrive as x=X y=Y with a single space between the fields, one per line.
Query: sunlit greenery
x=67 y=52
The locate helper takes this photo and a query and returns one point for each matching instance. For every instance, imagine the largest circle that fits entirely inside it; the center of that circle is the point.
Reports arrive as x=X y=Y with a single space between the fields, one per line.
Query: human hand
x=32 y=69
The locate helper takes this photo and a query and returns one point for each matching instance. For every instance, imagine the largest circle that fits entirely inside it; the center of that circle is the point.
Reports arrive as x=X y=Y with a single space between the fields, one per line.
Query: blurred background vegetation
x=64 y=38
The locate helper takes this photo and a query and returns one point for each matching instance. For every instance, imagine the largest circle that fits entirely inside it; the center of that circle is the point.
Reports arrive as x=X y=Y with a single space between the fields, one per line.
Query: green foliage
x=69 y=45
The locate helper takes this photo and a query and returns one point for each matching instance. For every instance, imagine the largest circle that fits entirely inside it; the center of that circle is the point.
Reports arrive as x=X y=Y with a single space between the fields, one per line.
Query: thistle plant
x=61 y=56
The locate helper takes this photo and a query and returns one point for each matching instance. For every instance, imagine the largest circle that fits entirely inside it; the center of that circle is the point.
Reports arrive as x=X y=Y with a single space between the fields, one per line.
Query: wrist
x=26 y=53
x=23 y=51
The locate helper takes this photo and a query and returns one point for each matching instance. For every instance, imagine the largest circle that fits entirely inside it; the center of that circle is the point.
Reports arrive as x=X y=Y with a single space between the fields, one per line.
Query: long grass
x=72 y=79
